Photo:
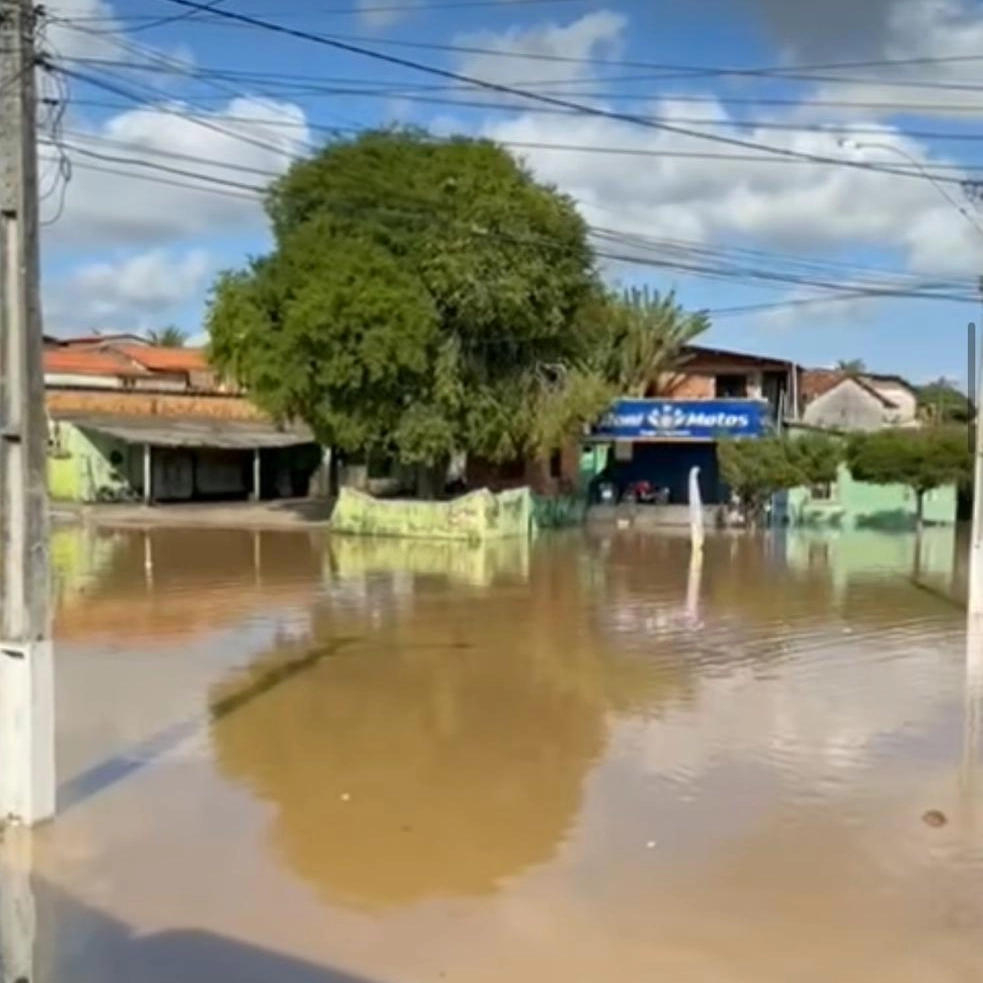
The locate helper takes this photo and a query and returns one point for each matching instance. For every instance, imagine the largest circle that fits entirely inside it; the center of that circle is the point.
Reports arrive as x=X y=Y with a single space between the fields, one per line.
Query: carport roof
x=161 y=431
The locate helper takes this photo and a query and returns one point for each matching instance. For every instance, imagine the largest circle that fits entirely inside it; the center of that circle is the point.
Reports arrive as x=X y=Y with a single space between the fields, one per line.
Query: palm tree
x=645 y=334
x=852 y=366
x=169 y=337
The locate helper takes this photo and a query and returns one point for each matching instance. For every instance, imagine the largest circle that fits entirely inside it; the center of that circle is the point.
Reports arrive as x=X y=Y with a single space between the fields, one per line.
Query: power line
x=686 y=120
x=551 y=100
x=424 y=211
x=786 y=71
x=634 y=240
x=200 y=73
x=350 y=10
x=173 y=19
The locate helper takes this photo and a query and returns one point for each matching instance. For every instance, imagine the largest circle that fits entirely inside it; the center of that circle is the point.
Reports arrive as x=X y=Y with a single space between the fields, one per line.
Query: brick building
x=132 y=421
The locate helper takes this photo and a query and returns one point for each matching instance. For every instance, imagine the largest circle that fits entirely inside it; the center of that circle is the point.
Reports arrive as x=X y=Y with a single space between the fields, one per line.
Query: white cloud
x=781 y=204
x=379 y=14
x=524 y=55
x=940 y=43
x=245 y=144
x=90 y=29
x=131 y=293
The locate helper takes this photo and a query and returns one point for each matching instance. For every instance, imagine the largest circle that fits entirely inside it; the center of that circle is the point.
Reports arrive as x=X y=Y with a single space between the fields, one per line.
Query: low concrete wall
x=474 y=517
x=650 y=516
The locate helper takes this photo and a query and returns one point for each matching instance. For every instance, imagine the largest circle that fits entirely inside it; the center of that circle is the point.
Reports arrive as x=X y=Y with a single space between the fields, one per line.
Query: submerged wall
x=474 y=517
x=852 y=504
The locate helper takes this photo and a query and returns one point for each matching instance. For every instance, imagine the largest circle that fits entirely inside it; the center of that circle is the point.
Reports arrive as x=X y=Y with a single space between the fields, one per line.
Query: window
x=822 y=492
x=730 y=387
x=556 y=464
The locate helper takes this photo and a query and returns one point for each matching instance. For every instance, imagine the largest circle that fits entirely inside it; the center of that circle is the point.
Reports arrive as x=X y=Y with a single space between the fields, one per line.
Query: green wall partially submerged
x=859 y=505
x=473 y=517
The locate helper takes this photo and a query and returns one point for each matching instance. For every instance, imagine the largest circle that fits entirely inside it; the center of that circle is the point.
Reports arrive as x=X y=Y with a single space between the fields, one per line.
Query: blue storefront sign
x=683 y=419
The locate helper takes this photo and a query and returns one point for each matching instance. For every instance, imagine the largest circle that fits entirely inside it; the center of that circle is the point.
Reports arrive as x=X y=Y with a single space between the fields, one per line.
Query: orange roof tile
x=79 y=361
x=158 y=359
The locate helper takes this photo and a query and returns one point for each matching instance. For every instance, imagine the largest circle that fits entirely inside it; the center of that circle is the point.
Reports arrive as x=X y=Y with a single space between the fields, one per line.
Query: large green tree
x=423 y=296
x=921 y=459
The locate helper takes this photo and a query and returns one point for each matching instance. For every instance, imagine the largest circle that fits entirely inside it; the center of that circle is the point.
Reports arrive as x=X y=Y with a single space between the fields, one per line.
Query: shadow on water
x=48 y=936
x=257 y=682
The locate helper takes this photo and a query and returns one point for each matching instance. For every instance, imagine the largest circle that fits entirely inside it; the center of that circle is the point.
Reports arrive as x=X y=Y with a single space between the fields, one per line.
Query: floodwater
x=290 y=760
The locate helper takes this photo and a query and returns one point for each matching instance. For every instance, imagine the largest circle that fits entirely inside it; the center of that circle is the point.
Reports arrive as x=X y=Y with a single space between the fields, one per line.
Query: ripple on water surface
x=289 y=758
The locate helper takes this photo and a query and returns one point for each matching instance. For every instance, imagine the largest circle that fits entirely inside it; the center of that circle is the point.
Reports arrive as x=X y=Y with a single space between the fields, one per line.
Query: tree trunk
x=919 y=509
x=334 y=476
x=430 y=481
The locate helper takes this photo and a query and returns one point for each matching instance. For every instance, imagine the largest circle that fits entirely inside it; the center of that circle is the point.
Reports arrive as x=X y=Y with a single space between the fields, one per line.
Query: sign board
x=683 y=419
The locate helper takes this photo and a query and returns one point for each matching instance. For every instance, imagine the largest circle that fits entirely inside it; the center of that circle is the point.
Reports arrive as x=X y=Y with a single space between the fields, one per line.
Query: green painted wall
x=81 y=463
x=474 y=517
x=475 y=563
x=852 y=556
x=859 y=505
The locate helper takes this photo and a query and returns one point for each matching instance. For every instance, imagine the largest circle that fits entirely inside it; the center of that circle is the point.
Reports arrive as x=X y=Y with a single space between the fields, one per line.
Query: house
x=711 y=394
x=848 y=402
x=129 y=421
x=834 y=400
x=715 y=373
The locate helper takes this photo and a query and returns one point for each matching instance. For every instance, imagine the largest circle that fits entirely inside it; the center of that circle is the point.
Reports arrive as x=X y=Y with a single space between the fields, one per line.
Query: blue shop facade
x=652 y=444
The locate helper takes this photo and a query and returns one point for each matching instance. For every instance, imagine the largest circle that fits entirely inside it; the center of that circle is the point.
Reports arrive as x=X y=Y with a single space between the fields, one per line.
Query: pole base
x=27 y=732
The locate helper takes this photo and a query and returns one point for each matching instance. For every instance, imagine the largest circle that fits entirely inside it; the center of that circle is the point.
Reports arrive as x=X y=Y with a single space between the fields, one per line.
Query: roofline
x=695 y=350
x=858 y=381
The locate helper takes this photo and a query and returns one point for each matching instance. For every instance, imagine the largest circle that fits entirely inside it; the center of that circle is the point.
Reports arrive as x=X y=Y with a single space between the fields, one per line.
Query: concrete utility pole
x=27 y=759
x=975 y=603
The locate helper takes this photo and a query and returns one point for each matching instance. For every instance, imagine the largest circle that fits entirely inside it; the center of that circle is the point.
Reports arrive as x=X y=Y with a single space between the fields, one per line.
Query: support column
x=148 y=474
x=257 y=474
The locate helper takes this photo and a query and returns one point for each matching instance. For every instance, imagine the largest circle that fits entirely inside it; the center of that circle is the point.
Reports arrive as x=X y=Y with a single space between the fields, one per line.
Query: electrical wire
x=174 y=18
x=669 y=247
x=550 y=100
x=350 y=10
x=424 y=212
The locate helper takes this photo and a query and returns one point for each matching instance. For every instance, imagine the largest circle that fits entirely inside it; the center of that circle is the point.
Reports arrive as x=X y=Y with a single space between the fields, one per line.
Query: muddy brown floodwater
x=286 y=759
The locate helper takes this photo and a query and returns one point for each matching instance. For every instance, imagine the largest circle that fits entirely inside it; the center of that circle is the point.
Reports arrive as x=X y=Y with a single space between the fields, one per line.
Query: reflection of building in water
x=850 y=555
x=169 y=582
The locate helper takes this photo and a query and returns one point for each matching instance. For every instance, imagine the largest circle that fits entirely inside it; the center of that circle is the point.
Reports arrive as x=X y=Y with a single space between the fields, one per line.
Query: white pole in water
x=695 y=511
x=27 y=755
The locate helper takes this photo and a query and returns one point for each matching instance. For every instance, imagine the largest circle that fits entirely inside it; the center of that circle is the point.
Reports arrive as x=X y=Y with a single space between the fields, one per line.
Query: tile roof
x=81 y=361
x=159 y=359
x=818 y=382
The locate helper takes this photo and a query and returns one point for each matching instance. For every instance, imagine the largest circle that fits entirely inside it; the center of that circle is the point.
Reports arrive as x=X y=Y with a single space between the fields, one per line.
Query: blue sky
x=127 y=251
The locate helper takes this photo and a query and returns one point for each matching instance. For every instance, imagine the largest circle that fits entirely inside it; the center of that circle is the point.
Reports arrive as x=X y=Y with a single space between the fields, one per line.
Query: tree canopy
x=755 y=470
x=922 y=459
x=422 y=297
x=640 y=337
x=169 y=337
x=942 y=402
x=851 y=366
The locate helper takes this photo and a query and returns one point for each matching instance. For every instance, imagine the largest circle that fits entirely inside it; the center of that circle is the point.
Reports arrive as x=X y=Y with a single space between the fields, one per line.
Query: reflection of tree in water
x=444 y=751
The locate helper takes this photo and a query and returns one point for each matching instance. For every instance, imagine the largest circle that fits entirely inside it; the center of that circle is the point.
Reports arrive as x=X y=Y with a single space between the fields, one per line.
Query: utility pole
x=27 y=760
x=975 y=601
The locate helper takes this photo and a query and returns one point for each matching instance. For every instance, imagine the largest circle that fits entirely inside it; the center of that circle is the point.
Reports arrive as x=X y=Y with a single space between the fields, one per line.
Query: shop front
x=652 y=444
